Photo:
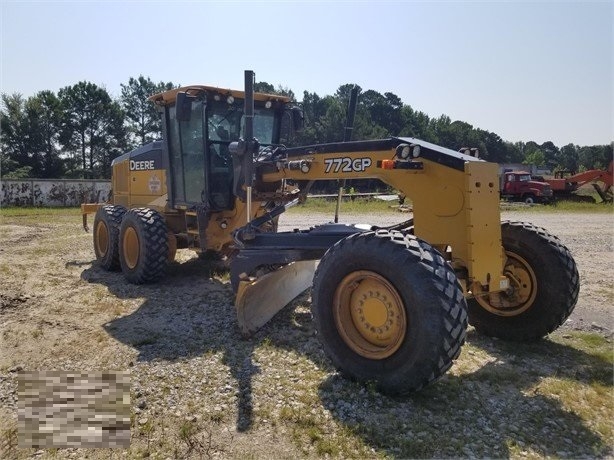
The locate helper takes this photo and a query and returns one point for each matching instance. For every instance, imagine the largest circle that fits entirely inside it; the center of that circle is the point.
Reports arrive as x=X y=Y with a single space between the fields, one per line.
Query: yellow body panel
x=146 y=186
x=485 y=256
x=221 y=224
x=169 y=97
x=121 y=177
x=454 y=208
x=90 y=208
x=138 y=188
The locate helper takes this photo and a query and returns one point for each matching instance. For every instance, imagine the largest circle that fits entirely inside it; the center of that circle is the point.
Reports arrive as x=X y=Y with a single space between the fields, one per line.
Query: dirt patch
x=9 y=301
x=19 y=234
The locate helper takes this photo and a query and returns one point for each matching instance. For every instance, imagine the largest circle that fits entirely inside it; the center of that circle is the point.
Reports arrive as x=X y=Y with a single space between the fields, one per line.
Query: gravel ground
x=200 y=391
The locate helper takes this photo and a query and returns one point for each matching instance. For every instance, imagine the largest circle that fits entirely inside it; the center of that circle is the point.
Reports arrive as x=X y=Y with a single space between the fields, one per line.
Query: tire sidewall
x=423 y=304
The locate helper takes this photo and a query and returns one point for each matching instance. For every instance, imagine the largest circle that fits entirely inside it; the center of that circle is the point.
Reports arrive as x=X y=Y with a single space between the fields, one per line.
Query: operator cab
x=199 y=123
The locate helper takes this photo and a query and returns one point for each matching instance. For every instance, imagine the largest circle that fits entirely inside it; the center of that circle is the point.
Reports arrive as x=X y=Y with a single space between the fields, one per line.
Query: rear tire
x=388 y=308
x=143 y=246
x=106 y=235
x=545 y=293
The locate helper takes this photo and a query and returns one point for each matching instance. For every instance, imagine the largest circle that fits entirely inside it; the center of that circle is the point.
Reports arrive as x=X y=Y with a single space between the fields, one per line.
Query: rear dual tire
x=106 y=235
x=143 y=246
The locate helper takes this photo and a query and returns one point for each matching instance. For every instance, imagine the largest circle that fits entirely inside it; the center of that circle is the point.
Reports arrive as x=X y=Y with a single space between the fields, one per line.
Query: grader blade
x=260 y=299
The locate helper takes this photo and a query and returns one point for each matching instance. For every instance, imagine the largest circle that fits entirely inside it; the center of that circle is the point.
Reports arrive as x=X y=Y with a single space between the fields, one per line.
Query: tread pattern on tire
x=112 y=216
x=446 y=335
x=546 y=317
x=153 y=254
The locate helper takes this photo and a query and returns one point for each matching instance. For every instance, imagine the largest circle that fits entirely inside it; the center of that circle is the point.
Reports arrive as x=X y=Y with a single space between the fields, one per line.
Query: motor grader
x=389 y=304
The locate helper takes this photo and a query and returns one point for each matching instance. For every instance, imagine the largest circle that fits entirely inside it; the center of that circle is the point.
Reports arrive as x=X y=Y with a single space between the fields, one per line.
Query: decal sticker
x=346 y=164
x=154 y=184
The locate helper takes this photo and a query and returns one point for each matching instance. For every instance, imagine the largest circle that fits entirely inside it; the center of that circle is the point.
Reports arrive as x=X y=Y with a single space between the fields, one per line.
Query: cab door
x=186 y=145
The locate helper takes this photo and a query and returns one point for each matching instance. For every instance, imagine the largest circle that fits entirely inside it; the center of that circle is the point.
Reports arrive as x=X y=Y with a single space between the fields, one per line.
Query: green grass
x=561 y=206
x=371 y=206
x=593 y=345
x=13 y=211
x=359 y=205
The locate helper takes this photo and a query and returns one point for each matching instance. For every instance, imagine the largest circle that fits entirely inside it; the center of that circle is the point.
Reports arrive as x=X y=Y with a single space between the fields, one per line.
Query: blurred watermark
x=73 y=409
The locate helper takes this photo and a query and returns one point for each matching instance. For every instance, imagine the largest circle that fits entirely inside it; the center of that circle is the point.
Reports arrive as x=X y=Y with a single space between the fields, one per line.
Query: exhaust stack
x=347 y=137
x=251 y=143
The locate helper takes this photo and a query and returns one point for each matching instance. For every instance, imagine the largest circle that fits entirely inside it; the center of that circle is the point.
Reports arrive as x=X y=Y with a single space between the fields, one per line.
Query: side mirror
x=183 y=106
x=298 y=118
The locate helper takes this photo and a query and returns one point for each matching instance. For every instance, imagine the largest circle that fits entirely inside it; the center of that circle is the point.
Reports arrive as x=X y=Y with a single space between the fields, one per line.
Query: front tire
x=529 y=199
x=143 y=246
x=388 y=308
x=544 y=287
x=106 y=235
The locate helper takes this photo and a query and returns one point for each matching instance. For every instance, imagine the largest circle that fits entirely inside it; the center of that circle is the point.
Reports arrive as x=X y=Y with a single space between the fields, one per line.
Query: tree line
x=384 y=115
x=77 y=132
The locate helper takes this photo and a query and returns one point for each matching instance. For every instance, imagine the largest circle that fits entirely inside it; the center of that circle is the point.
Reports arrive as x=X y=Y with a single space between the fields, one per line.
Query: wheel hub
x=521 y=293
x=370 y=315
x=373 y=313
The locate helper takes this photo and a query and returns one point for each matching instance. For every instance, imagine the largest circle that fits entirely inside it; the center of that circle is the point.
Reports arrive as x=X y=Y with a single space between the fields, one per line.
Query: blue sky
x=525 y=70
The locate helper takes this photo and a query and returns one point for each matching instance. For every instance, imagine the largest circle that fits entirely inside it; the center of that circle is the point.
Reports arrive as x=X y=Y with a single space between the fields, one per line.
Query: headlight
x=403 y=151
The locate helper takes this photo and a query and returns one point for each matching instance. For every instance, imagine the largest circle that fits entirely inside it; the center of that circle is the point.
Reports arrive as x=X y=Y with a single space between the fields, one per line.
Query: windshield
x=264 y=126
x=224 y=121
x=227 y=124
x=525 y=178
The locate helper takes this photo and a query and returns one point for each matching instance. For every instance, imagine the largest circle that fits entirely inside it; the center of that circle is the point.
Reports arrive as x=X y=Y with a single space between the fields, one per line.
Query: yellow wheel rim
x=522 y=292
x=131 y=247
x=369 y=314
x=102 y=238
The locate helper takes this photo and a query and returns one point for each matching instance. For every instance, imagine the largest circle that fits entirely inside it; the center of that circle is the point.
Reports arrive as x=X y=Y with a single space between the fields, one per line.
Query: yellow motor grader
x=389 y=304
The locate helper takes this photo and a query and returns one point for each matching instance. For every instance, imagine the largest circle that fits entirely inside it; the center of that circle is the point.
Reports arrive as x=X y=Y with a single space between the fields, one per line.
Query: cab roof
x=168 y=97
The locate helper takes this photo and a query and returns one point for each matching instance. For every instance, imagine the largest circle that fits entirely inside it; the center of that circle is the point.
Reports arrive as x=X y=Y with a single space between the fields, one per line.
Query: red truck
x=519 y=186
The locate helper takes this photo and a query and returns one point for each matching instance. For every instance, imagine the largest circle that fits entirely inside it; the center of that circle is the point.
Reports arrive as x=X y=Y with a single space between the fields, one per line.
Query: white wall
x=53 y=192
x=532 y=169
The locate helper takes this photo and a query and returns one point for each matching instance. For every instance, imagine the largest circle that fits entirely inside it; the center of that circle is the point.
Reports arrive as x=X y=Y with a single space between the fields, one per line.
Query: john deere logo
x=141 y=165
